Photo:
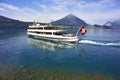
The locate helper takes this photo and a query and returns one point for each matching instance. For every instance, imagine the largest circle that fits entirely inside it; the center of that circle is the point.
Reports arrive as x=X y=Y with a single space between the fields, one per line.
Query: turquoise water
x=95 y=57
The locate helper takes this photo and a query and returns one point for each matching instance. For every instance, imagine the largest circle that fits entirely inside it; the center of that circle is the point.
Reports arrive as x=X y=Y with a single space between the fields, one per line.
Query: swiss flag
x=83 y=30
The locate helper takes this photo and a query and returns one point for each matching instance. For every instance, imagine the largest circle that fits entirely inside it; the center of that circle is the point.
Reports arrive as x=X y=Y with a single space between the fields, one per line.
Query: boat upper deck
x=45 y=27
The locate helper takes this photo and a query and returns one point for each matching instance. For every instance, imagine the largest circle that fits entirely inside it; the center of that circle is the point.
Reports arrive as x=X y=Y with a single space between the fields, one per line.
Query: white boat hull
x=55 y=37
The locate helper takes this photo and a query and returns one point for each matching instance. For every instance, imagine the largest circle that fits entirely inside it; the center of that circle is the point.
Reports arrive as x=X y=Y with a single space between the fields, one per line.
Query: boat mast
x=34 y=22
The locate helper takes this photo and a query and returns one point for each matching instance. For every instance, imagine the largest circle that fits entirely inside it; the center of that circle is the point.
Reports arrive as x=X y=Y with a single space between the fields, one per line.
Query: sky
x=91 y=11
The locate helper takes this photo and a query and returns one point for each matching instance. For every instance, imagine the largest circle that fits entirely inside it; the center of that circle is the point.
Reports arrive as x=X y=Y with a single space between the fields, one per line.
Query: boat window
x=39 y=32
x=36 y=32
x=59 y=33
x=40 y=28
x=47 y=33
x=35 y=28
x=50 y=28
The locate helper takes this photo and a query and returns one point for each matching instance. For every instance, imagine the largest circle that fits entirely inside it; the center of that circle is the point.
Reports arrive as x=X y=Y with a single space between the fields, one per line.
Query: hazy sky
x=91 y=11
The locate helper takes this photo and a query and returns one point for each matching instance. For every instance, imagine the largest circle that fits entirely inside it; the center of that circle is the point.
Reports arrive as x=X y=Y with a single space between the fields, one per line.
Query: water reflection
x=50 y=45
x=80 y=50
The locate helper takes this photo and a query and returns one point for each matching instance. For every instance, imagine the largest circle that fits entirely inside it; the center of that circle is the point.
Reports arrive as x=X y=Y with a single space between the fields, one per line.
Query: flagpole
x=78 y=30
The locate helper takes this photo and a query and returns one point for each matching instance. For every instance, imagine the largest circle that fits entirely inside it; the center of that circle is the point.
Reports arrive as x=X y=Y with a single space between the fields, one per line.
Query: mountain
x=101 y=26
x=114 y=24
x=69 y=20
x=11 y=23
x=5 y=19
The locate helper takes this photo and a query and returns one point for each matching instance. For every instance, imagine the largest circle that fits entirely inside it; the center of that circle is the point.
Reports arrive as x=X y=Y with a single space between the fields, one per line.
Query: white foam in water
x=99 y=43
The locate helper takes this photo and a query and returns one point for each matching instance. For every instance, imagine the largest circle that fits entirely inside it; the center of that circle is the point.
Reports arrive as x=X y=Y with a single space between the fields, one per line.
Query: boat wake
x=99 y=43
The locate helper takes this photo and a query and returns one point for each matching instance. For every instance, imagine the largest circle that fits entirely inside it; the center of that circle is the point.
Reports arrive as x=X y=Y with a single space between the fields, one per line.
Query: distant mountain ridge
x=114 y=24
x=5 y=19
x=69 y=20
x=11 y=23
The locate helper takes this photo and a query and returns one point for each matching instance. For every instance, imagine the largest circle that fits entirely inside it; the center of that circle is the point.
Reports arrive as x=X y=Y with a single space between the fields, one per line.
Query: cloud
x=25 y=14
x=2 y=9
x=99 y=17
x=8 y=6
x=92 y=12
x=43 y=6
x=63 y=6
x=39 y=4
x=94 y=6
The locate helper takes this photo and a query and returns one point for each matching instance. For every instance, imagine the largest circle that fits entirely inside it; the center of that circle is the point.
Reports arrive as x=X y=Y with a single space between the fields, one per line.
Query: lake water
x=95 y=57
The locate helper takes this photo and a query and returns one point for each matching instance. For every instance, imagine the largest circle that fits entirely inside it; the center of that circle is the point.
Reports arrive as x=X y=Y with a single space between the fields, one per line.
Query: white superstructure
x=50 y=32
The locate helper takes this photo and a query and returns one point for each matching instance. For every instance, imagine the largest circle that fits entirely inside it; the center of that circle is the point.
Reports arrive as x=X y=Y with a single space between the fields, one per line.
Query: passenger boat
x=50 y=32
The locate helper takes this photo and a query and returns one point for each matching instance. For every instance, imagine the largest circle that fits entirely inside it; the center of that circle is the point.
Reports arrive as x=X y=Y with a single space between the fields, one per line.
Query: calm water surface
x=95 y=57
